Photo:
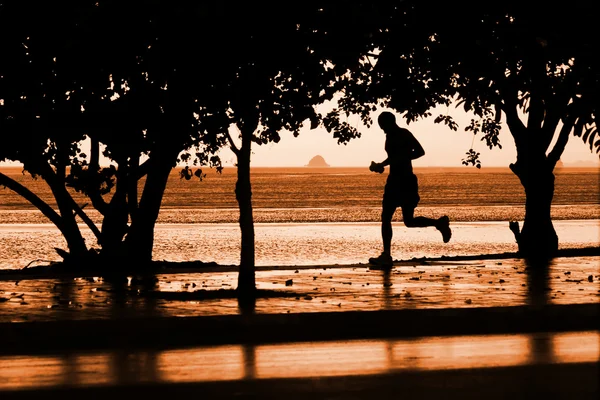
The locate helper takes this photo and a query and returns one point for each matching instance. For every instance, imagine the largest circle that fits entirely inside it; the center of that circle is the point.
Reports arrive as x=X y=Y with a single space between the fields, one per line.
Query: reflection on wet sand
x=317 y=359
x=443 y=284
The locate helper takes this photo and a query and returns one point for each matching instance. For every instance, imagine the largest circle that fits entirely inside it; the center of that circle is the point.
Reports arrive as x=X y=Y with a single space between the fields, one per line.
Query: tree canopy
x=499 y=61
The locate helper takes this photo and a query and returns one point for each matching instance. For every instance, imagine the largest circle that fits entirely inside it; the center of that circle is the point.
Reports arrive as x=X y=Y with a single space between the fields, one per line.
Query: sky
x=443 y=147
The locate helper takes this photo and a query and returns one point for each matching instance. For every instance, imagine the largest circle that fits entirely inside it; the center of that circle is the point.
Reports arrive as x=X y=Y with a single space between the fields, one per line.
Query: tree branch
x=561 y=142
x=535 y=116
x=85 y=218
x=232 y=145
x=64 y=200
x=94 y=153
x=554 y=111
x=31 y=197
x=142 y=170
x=509 y=94
x=536 y=112
x=94 y=193
x=556 y=108
x=515 y=125
x=132 y=187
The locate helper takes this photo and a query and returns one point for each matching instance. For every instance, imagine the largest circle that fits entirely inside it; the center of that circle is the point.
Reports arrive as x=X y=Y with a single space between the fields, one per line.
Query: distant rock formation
x=317 y=162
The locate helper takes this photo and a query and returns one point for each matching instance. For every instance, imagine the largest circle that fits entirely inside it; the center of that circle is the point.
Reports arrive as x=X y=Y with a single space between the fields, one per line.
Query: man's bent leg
x=442 y=224
x=408 y=216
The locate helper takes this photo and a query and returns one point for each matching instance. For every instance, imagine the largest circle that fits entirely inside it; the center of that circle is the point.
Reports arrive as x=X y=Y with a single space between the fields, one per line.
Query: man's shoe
x=384 y=261
x=443 y=225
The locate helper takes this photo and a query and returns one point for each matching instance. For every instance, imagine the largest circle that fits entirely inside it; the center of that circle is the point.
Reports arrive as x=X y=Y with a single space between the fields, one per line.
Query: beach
x=288 y=244
x=470 y=313
x=426 y=328
x=309 y=216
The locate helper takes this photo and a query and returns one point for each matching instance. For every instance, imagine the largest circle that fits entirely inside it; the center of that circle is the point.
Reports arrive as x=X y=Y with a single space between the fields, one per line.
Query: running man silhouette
x=401 y=187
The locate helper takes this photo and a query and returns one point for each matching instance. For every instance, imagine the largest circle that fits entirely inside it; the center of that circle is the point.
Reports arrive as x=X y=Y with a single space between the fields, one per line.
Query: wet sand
x=462 y=328
x=414 y=284
x=290 y=244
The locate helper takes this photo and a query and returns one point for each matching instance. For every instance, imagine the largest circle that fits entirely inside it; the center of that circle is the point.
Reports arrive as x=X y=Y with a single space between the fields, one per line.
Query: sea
x=319 y=216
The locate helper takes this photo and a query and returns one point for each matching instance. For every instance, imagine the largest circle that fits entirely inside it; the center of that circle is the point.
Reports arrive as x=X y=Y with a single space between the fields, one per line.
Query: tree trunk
x=132 y=188
x=140 y=238
x=114 y=223
x=70 y=230
x=243 y=194
x=538 y=238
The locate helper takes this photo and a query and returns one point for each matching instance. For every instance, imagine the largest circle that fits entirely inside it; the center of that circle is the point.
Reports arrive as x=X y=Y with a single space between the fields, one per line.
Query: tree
x=533 y=67
x=36 y=116
x=133 y=116
x=68 y=78
x=266 y=79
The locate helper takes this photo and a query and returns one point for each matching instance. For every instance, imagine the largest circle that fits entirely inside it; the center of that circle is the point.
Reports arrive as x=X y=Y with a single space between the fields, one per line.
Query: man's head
x=386 y=120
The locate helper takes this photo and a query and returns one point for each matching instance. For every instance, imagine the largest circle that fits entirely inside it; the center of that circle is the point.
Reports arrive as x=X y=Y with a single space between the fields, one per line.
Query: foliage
x=498 y=61
x=165 y=85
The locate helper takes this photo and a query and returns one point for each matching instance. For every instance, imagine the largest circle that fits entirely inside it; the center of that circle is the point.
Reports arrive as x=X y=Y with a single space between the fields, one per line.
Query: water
x=321 y=216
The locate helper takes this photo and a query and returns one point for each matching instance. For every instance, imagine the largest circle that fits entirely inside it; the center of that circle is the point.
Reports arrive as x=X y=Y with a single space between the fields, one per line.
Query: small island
x=317 y=162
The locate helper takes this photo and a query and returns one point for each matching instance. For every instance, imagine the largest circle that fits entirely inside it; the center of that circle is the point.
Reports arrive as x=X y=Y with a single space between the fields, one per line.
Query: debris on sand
x=289 y=282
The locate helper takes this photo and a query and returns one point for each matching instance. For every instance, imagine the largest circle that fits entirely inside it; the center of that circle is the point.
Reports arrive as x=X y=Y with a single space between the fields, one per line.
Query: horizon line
x=465 y=167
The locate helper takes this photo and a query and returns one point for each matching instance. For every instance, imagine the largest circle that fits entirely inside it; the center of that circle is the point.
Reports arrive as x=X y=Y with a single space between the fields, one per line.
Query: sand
x=411 y=284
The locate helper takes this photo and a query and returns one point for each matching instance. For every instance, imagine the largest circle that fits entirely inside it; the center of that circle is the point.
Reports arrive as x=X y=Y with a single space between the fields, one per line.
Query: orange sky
x=443 y=147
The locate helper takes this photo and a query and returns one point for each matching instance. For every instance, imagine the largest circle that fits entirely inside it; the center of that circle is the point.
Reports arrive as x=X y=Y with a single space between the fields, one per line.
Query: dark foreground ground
x=429 y=329
x=565 y=381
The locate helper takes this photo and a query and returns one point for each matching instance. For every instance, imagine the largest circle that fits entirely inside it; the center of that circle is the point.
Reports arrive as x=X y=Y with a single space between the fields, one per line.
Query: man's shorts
x=402 y=191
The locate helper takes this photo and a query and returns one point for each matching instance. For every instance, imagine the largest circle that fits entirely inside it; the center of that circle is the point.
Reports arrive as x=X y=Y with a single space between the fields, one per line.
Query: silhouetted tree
x=133 y=116
x=37 y=116
x=265 y=79
x=534 y=67
x=66 y=78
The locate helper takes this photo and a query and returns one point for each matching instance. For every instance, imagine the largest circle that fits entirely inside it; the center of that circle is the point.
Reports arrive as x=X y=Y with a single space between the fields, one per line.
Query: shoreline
x=461 y=168
x=290 y=244
x=60 y=270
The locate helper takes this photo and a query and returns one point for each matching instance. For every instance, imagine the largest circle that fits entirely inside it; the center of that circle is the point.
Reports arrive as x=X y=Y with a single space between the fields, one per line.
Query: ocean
x=306 y=216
